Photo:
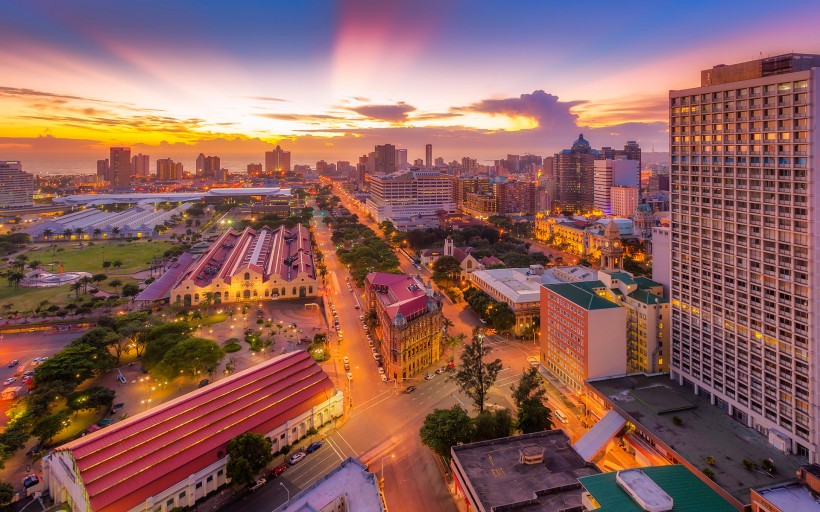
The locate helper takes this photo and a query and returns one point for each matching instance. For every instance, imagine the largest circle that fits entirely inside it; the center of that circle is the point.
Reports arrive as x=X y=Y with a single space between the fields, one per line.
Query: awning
x=599 y=435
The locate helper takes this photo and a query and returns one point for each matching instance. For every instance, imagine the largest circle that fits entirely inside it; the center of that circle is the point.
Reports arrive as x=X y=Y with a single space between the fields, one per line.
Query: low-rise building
x=536 y=472
x=466 y=260
x=348 y=486
x=171 y=456
x=408 y=331
x=251 y=265
x=792 y=496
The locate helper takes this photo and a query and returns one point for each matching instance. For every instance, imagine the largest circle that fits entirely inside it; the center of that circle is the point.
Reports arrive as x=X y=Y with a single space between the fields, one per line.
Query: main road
x=382 y=422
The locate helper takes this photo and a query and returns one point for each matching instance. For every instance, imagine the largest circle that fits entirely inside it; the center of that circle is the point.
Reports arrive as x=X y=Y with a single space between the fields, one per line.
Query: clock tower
x=612 y=252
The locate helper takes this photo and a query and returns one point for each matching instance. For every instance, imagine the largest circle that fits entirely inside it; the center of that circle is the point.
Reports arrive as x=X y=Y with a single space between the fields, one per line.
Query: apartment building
x=744 y=316
x=417 y=193
x=18 y=186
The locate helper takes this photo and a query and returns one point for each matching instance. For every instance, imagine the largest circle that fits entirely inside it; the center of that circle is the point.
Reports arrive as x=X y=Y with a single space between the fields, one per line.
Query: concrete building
x=176 y=453
x=168 y=170
x=662 y=257
x=795 y=495
x=200 y=164
x=428 y=156
x=211 y=166
x=104 y=169
x=347 y=487
x=385 y=159
x=408 y=334
x=120 y=167
x=277 y=161
x=140 y=165
x=613 y=173
x=417 y=193
x=575 y=177
x=251 y=265
x=17 y=185
x=624 y=201
x=744 y=314
x=467 y=261
x=536 y=472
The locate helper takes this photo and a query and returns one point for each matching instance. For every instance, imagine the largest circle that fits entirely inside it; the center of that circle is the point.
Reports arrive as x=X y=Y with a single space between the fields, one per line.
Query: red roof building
x=409 y=330
x=175 y=454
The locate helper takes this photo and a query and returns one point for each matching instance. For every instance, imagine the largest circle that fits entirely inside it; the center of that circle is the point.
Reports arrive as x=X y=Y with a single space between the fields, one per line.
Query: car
x=349 y=376
x=429 y=376
x=451 y=365
x=376 y=355
x=409 y=389
x=14 y=363
x=296 y=457
x=314 y=446
x=361 y=317
x=345 y=359
x=10 y=380
x=533 y=361
x=28 y=373
x=370 y=342
x=381 y=370
x=441 y=370
x=356 y=306
x=384 y=378
x=347 y=367
x=203 y=383
x=339 y=334
x=26 y=380
x=278 y=470
x=259 y=483
x=37 y=448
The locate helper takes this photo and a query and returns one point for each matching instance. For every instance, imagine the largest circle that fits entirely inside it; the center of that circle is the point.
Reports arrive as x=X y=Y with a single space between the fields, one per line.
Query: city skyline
x=332 y=80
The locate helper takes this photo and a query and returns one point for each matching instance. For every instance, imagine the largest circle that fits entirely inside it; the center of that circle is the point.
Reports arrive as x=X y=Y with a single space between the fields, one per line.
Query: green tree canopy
x=473 y=375
x=248 y=453
x=444 y=428
x=533 y=416
x=492 y=425
x=6 y=493
x=530 y=385
x=190 y=357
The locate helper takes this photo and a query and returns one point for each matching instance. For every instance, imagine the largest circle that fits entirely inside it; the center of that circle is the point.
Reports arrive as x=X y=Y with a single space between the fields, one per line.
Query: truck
x=11 y=392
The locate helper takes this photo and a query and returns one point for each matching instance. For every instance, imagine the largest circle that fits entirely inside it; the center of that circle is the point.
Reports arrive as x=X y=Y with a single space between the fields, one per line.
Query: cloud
x=17 y=92
x=396 y=113
x=264 y=98
x=544 y=108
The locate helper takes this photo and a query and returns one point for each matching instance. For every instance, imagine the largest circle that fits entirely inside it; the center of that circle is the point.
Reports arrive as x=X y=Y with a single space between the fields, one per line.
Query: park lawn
x=135 y=256
x=216 y=318
x=26 y=299
x=80 y=421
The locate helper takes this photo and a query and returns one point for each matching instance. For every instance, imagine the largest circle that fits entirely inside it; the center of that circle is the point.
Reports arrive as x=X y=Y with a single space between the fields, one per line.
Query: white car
x=384 y=378
x=349 y=376
x=361 y=317
x=346 y=360
x=10 y=380
x=381 y=370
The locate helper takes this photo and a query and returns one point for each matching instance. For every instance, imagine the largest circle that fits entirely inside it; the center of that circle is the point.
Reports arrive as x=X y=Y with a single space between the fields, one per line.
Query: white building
x=349 y=486
x=624 y=200
x=17 y=188
x=613 y=173
x=744 y=265
x=412 y=194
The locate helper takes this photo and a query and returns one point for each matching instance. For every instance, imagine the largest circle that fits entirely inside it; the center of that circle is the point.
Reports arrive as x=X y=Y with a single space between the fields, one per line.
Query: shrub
x=710 y=460
x=312 y=431
x=749 y=464
x=677 y=421
x=285 y=449
x=768 y=465
x=709 y=473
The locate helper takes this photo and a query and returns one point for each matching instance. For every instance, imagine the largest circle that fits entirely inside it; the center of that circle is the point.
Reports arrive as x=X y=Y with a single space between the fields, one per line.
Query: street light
x=286 y=490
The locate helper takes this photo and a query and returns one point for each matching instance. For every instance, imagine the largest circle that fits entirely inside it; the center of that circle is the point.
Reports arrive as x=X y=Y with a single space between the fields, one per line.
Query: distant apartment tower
x=200 y=164
x=612 y=173
x=624 y=201
x=744 y=250
x=385 y=159
x=120 y=170
x=401 y=158
x=140 y=165
x=277 y=161
x=575 y=177
x=104 y=169
x=428 y=156
x=211 y=166
x=167 y=169
x=17 y=186
x=254 y=169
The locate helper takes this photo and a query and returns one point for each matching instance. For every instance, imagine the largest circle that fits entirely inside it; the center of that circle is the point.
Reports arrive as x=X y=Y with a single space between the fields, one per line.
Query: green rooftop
x=645 y=297
x=644 y=283
x=688 y=492
x=623 y=277
x=582 y=294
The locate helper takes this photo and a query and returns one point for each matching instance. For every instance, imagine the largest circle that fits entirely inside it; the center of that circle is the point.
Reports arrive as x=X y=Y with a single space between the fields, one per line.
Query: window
x=199 y=485
x=220 y=472
x=210 y=479
x=181 y=498
x=170 y=503
x=247 y=276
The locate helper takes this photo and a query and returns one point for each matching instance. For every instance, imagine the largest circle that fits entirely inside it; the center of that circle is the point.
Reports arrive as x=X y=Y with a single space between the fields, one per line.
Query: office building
x=254 y=169
x=417 y=193
x=140 y=165
x=104 y=170
x=277 y=161
x=575 y=177
x=428 y=156
x=624 y=201
x=168 y=170
x=168 y=457
x=120 y=167
x=211 y=166
x=385 y=159
x=18 y=186
x=791 y=496
x=613 y=173
x=744 y=270
x=408 y=333
x=200 y=164
x=401 y=158
x=515 y=197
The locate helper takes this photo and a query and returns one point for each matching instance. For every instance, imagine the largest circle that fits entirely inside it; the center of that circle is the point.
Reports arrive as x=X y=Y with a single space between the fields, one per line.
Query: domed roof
x=581 y=145
x=643 y=208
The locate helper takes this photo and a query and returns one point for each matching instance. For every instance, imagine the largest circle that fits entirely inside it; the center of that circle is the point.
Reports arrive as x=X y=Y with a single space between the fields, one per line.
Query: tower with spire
x=612 y=252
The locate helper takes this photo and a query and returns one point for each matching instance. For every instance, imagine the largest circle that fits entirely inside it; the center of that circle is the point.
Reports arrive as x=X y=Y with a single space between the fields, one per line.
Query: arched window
x=294 y=290
x=255 y=293
x=247 y=294
x=310 y=289
x=238 y=295
x=267 y=293
x=196 y=297
x=283 y=291
x=179 y=299
x=227 y=296
x=247 y=276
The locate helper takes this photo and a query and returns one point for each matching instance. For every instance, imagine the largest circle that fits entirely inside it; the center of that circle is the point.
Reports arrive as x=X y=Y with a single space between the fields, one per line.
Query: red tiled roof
x=491 y=260
x=161 y=288
x=399 y=293
x=122 y=465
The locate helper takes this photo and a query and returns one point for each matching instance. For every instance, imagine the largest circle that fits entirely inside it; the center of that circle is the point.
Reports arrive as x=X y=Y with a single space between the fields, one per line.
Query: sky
x=331 y=79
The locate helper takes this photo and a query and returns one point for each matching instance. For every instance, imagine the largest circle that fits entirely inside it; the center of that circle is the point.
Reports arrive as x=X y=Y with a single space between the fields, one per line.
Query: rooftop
x=516 y=284
x=688 y=492
x=494 y=474
x=399 y=293
x=651 y=402
x=791 y=497
x=124 y=464
x=582 y=295
x=172 y=197
x=161 y=287
x=350 y=479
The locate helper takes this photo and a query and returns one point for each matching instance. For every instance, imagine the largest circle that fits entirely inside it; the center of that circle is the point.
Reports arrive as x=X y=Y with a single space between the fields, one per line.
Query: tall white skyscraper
x=17 y=186
x=744 y=245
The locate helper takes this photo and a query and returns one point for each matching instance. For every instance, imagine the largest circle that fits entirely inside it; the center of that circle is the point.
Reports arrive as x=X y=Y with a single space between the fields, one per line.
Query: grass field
x=135 y=256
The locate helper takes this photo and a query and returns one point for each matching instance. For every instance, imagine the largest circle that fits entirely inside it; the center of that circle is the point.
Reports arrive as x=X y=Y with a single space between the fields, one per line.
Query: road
x=383 y=422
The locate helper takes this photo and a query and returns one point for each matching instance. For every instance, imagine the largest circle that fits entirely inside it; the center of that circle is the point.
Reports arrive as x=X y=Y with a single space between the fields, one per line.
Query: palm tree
x=20 y=261
x=14 y=277
x=47 y=233
x=115 y=231
x=79 y=232
x=97 y=232
x=67 y=234
x=446 y=323
x=76 y=287
x=34 y=264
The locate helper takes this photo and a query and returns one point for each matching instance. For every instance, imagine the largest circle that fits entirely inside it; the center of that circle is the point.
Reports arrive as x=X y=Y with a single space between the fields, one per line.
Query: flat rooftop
x=705 y=431
x=793 y=497
x=350 y=480
x=495 y=475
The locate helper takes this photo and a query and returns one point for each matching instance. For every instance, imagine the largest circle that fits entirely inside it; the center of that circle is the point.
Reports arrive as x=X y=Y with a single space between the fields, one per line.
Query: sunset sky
x=332 y=79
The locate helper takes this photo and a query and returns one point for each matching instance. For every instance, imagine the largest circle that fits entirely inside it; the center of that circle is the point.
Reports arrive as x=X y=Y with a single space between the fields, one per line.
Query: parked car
x=347 y=367
x=409 y=389
x=204 y=382
x=533 y=361
x=356 y=306
x=381 y=370
x=441 y=370
x=345 y=359
x=10 y=380
x=361 y=317
x=14 y=363
x=259 y=483
x=451 y=365
x=296 y=457
x=384 y=378
x=429 y=376
x=349 y=376
x=313 y=447
x=278 y=470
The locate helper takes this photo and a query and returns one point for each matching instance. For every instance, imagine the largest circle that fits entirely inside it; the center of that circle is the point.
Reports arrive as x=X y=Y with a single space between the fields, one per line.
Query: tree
x=533 y=416
x=117 y=263
x=444 y=428
x=130 y=290
x=248 y=453
x=492 y=425
x=192 y=357
x=447 y=266
x=529 y=386
x=48 y=233
x=473 y=375
x=106 y=264
x=115 y=283
x=49 y=426
x=92 y=398
x=500 y=316
x=98 y=278
x=446 y=323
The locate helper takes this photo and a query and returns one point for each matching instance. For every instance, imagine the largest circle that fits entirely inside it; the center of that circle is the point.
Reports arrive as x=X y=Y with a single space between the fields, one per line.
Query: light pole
x=286 y=490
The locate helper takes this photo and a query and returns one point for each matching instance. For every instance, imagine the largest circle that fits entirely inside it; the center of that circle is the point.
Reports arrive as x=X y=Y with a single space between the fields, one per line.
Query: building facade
x=18 y=186
x=624 y=201
x=140 y=165
x=744 y=311
x=170 y=456
x=613 y=173
x=408 y=329
x=251 y=265
x=277 y=161
x=120 y=167
x=418 y=193
x=574 y=170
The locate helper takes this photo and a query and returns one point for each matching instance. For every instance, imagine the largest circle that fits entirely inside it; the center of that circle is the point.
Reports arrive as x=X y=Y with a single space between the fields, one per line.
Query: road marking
x=348 y=444
x=335 y=449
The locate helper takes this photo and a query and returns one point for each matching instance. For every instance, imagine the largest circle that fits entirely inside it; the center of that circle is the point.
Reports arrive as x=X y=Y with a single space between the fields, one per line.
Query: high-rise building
x=277 y=161
x=575 y=177
x=428 y=156
x=632 y=150
x=612 y=173
x=167 y=169
x=418 y=193
x=211 y=166
x=18 y=186
x=401 y=158
x=104 y=169
x=385 y=159
x=744 y=260
x=254 y=169
x=120 y=170
x=140 y=165
x=200 y=164
x=624 y=201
